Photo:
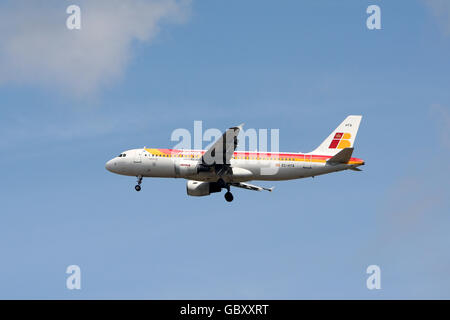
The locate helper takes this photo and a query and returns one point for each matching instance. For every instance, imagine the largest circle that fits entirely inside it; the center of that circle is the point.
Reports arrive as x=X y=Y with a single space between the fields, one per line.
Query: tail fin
x=342 y=137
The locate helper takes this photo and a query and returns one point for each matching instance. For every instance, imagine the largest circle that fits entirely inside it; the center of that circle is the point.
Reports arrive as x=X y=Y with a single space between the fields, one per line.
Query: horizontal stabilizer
x=355 y=169
x=342 y=156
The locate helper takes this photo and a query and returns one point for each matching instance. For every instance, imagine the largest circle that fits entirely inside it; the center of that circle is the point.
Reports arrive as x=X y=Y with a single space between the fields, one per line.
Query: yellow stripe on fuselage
x=197 y=155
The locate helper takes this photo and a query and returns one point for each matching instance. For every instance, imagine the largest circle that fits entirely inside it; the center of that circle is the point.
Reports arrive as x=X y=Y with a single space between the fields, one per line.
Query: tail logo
x=340 y=141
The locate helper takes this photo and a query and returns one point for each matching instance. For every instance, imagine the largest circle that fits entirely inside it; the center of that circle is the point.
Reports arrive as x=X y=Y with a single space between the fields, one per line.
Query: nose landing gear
x=138 y=186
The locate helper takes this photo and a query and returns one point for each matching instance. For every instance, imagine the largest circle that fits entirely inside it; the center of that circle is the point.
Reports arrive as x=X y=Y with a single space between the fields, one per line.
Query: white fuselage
x=246 y=166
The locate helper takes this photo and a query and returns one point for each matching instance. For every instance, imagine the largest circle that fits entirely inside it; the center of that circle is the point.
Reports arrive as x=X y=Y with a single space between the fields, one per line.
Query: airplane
x=221 y=166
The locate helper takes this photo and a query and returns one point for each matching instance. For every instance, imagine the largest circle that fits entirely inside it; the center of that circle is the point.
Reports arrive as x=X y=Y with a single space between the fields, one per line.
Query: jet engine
x=199 y=188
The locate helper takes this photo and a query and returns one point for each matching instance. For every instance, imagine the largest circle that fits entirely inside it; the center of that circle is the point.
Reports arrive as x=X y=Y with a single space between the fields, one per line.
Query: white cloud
x=441 y=9
x=37 y=48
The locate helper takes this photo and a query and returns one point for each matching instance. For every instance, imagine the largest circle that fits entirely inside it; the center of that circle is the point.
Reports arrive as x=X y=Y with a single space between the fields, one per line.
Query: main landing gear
x=228 y=195
x=138 y=186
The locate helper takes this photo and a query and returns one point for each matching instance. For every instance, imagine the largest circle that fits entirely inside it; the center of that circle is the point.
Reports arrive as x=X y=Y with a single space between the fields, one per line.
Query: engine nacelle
x=200 y=189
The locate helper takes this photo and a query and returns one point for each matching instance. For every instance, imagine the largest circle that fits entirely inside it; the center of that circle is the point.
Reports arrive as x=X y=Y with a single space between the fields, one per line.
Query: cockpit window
x=120 y=155
x=124 y=155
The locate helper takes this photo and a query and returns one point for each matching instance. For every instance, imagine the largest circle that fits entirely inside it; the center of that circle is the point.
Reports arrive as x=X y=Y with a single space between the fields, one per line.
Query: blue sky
x=71 y=100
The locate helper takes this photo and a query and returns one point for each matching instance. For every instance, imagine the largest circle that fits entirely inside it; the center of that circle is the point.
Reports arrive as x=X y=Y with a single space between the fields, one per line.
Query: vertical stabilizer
x=342 y=137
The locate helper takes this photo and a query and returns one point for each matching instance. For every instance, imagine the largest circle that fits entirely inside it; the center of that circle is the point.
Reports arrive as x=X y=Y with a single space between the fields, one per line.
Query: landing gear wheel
x=139 y=181
x=229 y=196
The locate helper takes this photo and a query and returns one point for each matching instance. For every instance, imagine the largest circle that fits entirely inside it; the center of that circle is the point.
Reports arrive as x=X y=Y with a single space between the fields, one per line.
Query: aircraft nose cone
x=109 y=165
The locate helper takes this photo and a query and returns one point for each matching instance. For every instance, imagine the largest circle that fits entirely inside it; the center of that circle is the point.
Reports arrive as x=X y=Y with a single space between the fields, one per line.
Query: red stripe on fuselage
x=256 y=154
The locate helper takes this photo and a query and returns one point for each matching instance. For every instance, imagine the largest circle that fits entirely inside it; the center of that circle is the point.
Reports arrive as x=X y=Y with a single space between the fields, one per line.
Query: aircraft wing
x=249 y=186
x=222 y=150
